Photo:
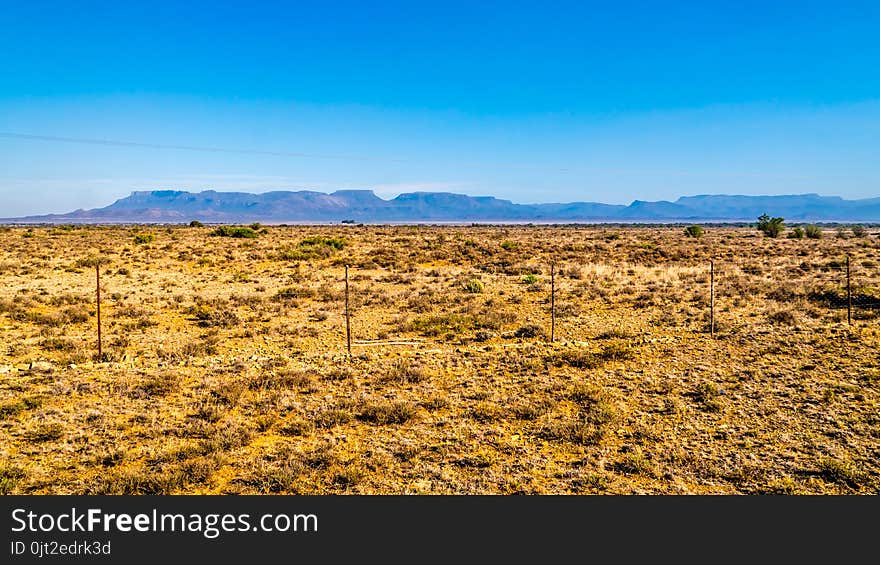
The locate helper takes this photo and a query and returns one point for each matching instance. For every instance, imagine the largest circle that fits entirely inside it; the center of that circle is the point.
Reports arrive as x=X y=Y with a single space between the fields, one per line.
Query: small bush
x=11 y=408
x=783 y=318
x=207 y=317
x=813 y=232
x=143 y=238
x=474 y=286
x=9 y=479
x=528 y=331
x=530 y=279
x=405 y=371
x=237 y=232
x=694 y=231
x=396 y=412
x=706 y=393
x=333 y=417
x=596 y=415
x=858 y=231
x=196 y=224
x=284 y=379
x=796 y=233
x=635 y=464
x=838 y=471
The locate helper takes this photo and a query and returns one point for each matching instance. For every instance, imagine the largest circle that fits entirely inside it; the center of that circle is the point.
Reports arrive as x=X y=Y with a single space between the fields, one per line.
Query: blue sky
x=534 y=102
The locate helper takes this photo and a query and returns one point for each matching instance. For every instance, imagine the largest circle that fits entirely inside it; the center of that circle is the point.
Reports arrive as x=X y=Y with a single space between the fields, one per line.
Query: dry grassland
x=225 y=366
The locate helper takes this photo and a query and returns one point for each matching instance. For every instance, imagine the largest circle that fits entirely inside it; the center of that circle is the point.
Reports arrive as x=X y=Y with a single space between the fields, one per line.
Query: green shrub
x=9 y=478
x=707 y=393
x=771 y=227
x=858 y=231
x=813 y=232
x=142 y=238
x=196 y=224
x=694 y=231
x=474 y=286
x=840 y=471
x=238 y=232
x=797 y=233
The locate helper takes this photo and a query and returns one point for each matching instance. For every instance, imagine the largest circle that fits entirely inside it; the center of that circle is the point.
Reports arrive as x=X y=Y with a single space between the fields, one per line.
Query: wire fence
x=345 y=306
x=574 y=302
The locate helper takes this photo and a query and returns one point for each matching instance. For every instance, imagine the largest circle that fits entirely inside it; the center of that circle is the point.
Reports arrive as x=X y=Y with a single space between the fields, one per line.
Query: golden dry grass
x=225 y=369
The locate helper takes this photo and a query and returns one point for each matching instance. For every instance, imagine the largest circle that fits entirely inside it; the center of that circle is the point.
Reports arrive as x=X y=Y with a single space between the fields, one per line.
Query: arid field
x=225 y=368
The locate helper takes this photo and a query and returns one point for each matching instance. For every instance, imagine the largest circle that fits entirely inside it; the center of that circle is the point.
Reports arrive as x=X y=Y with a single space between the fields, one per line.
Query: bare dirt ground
x=225 y=370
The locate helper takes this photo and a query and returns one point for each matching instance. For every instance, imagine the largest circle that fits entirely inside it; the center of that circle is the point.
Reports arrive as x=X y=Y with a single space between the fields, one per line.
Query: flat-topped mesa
x=138 y=198
x=308 y=206
x=358 y=195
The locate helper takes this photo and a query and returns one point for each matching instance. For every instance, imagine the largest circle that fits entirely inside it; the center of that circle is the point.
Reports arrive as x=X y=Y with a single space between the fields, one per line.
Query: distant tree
x=813 y=232
x=797 y=233
x=694 y=231
x=771 y=227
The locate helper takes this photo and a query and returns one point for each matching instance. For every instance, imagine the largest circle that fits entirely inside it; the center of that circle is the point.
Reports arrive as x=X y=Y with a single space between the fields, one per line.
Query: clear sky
x=530 y=101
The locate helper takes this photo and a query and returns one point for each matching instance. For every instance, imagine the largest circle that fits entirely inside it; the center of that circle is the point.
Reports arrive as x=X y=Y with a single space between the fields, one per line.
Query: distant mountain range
x=304 y=206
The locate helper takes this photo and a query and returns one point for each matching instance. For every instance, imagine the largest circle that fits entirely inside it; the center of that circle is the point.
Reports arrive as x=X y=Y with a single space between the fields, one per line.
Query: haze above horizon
x=569 y=102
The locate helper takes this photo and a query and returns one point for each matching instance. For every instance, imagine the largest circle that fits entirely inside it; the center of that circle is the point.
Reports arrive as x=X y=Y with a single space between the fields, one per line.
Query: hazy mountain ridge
x=305 y=206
